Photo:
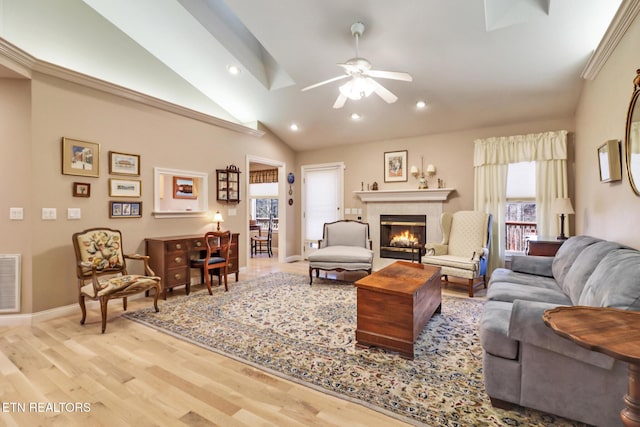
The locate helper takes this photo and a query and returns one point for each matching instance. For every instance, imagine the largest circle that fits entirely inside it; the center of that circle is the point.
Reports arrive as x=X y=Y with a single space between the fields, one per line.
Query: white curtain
x=491 y=157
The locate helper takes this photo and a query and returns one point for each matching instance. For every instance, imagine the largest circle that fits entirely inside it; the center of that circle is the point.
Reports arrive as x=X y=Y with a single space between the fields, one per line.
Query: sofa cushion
x=494 y=328
x=584 y=266
x=342 y=254
x=502 y=275
x=615 y=282
x=510 y=292
x=568 y=253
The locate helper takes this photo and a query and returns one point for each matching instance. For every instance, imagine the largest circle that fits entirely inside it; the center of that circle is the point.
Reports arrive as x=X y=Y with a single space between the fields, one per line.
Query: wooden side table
x=610 y=331
x=543 y=246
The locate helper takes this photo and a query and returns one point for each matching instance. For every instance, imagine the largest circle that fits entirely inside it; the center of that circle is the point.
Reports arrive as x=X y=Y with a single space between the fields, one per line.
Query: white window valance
x=533 y=147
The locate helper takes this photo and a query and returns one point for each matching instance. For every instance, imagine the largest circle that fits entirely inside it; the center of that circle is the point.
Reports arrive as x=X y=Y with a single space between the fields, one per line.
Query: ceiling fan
x=361 y=84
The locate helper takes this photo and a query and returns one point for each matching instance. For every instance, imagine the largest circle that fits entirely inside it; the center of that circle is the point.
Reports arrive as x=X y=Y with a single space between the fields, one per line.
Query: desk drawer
x=195 y=244
x=176 y=246
x=176 y=277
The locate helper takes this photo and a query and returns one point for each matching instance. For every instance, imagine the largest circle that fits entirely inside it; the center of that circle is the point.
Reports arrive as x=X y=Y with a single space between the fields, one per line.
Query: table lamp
x=562 y=207
x=217 y=217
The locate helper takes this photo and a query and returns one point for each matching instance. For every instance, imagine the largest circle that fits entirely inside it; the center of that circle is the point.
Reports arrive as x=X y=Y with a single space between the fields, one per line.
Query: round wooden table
x=610 y=331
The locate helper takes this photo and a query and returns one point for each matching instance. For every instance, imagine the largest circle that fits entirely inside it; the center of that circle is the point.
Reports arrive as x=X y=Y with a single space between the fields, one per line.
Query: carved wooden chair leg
x=104 y=301
x=83 y=308
x=471 y=288
x=155 y=298
x=124 y=303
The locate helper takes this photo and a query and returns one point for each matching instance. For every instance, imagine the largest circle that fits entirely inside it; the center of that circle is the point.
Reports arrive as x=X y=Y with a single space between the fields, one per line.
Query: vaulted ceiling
x=475 y=63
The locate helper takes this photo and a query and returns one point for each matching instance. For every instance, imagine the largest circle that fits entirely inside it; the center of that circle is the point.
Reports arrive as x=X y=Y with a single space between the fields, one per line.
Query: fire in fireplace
x=399 y=234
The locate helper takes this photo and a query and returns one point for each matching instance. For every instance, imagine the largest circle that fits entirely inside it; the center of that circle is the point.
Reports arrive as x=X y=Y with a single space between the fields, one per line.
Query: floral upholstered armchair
x=102 y=271
x=464 y=250
x=345 y=246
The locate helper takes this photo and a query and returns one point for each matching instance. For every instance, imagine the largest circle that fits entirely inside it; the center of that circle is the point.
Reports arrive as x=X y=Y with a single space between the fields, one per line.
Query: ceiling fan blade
x=393 y=75
x=340 y=101
x=325 y=82
x=382 y=92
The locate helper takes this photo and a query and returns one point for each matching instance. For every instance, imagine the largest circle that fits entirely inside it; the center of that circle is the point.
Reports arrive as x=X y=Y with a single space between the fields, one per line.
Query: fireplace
x=399 y=234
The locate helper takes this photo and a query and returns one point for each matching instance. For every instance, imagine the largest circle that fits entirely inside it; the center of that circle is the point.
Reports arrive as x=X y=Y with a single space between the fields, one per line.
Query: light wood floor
x=134 y=375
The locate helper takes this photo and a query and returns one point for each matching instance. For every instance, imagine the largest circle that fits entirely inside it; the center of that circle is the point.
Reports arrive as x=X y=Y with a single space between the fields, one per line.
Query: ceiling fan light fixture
x=421 y=104
x=356 y=88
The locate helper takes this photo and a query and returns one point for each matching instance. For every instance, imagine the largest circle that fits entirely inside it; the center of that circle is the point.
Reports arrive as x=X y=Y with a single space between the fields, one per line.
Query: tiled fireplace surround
x=401 y=202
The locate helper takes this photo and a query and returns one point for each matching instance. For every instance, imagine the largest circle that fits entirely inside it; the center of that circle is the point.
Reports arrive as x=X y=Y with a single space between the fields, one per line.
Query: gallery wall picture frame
x=184 y=188
x=124 y=164
x=119 y=209
x=125 y=187
x=80 y=158
x=609 y=161
x=395 y=166
x=81 y=189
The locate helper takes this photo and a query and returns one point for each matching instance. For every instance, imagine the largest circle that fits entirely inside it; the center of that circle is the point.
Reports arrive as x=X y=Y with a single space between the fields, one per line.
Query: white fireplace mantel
x=427 y=202
x=426 y=195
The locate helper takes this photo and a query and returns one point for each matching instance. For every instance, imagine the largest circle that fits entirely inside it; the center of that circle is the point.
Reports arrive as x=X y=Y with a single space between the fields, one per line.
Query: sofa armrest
x=526 y=325
x=435 y=249
x=537 y=265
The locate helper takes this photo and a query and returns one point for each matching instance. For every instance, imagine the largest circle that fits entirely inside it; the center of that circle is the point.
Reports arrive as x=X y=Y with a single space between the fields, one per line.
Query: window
x=264 y=204
x=520 y=210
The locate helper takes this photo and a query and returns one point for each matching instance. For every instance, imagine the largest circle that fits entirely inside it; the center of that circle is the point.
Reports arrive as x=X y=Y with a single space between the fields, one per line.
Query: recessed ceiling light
x=356 y=116
x=421 y=104
x=233 y=69
x=294 y=127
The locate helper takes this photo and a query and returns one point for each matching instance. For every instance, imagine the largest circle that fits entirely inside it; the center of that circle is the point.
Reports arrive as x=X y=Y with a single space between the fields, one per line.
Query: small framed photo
x=81 y=189
x=125 y=209
x=125 y=187
x=609 y=161
x=184 y=188
x=124 y=164
x=395 y=166
x=80 y=158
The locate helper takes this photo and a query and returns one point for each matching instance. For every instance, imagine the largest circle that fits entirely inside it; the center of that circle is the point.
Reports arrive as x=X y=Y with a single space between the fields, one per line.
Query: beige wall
x=59 y=108
x=607 y=210
x=451 y=153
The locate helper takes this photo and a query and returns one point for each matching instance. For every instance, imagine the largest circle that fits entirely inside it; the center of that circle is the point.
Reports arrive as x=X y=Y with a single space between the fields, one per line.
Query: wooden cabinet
x=543 y=246
x=170 y=256
x=228 y=184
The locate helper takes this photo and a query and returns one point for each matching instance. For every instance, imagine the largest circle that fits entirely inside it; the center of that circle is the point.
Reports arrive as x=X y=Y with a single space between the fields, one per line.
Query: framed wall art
x=81 y=189
x=609 y=161
x=395 y=166
x=125 y=187
x=124 y=164
x=80 y=158
x=184 y=188
x=125 y=209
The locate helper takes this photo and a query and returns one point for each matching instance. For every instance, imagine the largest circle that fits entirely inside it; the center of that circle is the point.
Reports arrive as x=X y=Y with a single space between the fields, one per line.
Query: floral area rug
x=307 y=334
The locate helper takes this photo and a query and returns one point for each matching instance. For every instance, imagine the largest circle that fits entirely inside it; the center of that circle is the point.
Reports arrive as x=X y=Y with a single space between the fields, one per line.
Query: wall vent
x=9 y=283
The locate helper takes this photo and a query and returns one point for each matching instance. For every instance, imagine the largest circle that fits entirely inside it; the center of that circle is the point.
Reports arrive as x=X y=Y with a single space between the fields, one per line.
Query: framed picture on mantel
x=395 y=166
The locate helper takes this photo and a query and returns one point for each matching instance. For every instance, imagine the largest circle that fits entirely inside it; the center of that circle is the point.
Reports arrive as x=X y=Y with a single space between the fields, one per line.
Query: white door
x=322 y=193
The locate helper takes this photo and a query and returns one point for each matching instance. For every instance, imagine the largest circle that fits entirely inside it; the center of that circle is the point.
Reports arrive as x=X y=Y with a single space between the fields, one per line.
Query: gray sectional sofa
x=525 y=362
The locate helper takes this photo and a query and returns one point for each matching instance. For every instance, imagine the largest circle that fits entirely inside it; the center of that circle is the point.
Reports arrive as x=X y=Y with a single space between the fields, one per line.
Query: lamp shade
x=356 y=88
x=414 y=170
x=217 y=217
x=562 y=206
x=431 y=169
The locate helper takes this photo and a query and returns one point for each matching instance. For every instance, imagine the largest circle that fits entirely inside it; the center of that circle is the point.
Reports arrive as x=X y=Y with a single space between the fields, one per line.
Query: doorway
x=322 y=196
x=266 y=206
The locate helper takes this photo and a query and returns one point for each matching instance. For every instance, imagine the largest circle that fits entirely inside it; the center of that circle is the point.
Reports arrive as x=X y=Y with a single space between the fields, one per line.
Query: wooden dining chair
x=261 y=243
x=218 y=244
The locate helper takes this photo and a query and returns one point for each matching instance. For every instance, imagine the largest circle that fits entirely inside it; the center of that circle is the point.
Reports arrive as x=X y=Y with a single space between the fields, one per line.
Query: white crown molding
x=621 y=21
x=25 y=64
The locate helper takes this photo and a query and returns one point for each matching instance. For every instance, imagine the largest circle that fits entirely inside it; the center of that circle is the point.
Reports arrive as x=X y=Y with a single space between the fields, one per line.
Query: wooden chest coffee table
x=395 y=303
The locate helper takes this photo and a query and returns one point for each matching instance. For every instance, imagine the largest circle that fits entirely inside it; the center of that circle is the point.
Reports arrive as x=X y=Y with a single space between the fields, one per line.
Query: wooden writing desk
x=169 y=258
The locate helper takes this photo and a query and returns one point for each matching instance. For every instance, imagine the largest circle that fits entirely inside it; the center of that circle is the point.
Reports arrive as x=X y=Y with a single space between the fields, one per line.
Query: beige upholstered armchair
x=464 y=251
x=345 y=246
x=102 y=271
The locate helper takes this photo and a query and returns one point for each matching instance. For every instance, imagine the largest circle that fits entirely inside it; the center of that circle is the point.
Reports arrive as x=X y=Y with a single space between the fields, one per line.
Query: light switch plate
x=16 y=214
x=231 y=212
x=74 y=213
x=49 y=214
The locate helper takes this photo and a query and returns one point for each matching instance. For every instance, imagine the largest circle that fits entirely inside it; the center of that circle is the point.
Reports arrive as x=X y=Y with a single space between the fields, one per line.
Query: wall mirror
x=180 y=193
x=632 y=137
